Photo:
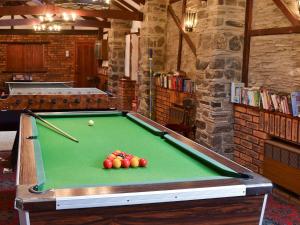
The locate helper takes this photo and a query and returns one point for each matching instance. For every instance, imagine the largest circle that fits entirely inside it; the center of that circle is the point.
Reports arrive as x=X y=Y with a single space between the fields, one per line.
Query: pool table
x=60 y=181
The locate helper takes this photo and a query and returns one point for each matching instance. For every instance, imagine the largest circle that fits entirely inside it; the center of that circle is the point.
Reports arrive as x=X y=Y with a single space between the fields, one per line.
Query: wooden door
x=86 y=66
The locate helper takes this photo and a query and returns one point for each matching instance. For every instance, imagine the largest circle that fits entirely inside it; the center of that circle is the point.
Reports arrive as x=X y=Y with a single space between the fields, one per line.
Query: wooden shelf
x=283 y=126
x=268 y=111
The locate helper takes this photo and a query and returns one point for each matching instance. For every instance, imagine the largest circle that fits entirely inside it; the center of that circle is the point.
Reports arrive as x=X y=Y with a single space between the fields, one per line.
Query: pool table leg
x=263 y=209
x=24 y=217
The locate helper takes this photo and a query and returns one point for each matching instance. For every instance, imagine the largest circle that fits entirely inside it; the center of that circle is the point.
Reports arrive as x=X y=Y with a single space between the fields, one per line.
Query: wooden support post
x=248 y=27
x=12 y=17
x=183 y=11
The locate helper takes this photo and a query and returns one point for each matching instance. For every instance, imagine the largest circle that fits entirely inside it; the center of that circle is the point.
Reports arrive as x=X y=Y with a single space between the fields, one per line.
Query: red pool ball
x=143 y=162
x=125 y=163
x=111 y=158
x=107 y=164
x=117 y=152
x=129 y=157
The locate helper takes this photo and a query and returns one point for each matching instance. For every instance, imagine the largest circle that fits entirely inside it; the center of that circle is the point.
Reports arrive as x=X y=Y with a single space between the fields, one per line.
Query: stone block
x=235 y=44
x=217 y=63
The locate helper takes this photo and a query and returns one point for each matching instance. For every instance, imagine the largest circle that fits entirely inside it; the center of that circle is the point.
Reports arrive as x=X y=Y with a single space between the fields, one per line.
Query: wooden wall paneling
x=288 y=129
x=277 y=125
x=267 y=122
x=261 y=125
x=295 y=130
x=282 y=174
x=14 y=57
x=25 y=57
x=33 y=57
x=282 y=127
x=272 y=124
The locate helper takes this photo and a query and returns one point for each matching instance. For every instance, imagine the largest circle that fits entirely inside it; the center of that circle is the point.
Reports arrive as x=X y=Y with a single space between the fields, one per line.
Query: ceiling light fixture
x=54 y=23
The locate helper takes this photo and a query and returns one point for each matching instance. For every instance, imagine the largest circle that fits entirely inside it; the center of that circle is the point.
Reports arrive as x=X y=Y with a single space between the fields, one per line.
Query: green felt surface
x=69 y=165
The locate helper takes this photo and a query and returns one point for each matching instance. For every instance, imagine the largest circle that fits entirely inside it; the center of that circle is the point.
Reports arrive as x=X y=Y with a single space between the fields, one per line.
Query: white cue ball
x=91 y=123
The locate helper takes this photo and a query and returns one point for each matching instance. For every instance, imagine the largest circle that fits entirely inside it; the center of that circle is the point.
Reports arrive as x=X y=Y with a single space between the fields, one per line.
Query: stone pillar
x=117 y=45
x=152 y=36
x=219 y=61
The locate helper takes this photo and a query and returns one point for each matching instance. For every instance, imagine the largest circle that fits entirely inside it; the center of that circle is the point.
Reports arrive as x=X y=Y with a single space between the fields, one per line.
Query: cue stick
x=51 y=125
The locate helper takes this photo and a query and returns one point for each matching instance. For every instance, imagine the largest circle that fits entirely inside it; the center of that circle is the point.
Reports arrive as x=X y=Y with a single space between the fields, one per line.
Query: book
x=266 y=99
x=236 y=92
x=175 y=81
x=295 y=100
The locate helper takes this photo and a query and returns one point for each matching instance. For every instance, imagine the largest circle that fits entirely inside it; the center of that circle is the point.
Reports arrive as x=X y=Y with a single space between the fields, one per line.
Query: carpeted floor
x=278 y=212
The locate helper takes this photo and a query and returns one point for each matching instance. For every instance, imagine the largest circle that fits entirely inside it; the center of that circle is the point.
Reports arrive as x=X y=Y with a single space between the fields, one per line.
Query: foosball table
x=54 y=96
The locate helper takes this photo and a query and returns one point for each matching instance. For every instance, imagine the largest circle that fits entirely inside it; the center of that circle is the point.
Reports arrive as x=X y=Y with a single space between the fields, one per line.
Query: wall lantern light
x=190 y=21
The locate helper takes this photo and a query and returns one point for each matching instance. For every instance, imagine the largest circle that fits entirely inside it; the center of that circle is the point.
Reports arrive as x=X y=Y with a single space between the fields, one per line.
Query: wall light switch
x=67 y=53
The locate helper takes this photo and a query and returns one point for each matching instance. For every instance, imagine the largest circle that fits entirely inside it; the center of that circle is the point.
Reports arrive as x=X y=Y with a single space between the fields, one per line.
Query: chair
x=181 y=118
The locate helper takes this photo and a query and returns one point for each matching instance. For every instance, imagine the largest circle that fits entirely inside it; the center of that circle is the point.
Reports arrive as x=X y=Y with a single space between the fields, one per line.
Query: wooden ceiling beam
x=32 y=32
x=92 y=23
x=139 y=2
x=43 y=9
x=128 y=5
x=31 y=22
x=119 y=5
x=276 y=31
x=173 y=1
x=294 y=20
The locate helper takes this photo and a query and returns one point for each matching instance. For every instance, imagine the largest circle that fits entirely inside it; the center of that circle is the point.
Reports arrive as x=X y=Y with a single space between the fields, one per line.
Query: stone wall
x=219 y=62
x=58 y=66
x=218 y=38
x=152 y=36
x=274 y=59
x=116 y=43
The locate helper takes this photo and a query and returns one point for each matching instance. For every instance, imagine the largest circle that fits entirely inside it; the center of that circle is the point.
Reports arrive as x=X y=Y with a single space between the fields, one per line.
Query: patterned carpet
x=278 y=212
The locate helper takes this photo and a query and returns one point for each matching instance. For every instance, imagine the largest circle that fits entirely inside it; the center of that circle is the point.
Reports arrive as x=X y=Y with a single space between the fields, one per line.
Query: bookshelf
x=178 y=82
x=277 y=124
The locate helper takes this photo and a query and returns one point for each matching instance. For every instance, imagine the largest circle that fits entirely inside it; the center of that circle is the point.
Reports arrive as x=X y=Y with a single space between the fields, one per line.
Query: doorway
x=85 y=65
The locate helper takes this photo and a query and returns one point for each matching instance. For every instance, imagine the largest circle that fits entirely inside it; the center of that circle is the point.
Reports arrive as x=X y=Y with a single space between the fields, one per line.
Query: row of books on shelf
x=175 y=81
x=287 y=103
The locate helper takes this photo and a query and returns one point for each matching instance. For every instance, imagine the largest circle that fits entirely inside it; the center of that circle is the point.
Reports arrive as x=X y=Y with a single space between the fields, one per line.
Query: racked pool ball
x=143 y=162
x=107 y=164
x=134 y=162
x=117 y=163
